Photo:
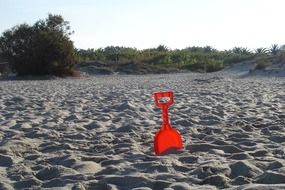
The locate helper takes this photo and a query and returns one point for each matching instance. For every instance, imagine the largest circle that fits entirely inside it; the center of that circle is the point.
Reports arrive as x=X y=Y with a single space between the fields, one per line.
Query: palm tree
x=208 y=49
x=162 y=48
x=261 y=51
x=237 y=50
x=112 y=53
x=274 y=49
x=245 y=51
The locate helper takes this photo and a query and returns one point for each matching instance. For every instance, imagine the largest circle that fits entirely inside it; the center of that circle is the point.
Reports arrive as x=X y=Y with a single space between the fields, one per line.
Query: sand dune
x=97 y=133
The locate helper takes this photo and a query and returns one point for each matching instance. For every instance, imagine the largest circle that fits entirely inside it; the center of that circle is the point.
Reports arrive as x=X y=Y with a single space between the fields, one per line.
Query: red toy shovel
x=166 y=138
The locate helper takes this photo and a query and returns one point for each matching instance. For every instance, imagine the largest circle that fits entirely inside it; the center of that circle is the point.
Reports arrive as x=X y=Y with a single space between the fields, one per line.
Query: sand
x=97 y=133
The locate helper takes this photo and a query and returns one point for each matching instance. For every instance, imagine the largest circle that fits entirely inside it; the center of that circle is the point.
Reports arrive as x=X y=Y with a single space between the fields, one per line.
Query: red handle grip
x=159 y=95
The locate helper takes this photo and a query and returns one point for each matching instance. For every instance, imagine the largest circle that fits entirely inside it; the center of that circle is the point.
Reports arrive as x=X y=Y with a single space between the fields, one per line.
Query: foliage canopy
x=41 y=49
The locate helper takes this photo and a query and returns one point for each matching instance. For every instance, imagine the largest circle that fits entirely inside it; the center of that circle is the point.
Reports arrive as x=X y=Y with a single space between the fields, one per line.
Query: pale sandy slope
x=97 y=133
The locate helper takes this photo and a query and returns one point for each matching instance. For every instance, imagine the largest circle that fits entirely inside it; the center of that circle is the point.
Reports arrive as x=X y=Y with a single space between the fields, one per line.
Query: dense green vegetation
x=201 y=59
x=46 y=49
x=41 y=49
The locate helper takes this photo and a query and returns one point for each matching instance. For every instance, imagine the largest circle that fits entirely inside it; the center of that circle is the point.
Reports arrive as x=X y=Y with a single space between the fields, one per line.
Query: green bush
x=236 y=58
x=206 y=65
x=214 y=65
x=262 y=63
x=41 y=49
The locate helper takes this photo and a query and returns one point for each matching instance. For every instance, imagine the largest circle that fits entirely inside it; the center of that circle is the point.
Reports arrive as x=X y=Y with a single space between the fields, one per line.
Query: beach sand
x=97 y=133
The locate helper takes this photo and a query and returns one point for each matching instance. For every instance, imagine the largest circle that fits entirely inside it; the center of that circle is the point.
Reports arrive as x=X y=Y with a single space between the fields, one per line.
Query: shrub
x=207 y=65
x=41 y=49
x=262 y=63
x=236 y=58
x=214 y=65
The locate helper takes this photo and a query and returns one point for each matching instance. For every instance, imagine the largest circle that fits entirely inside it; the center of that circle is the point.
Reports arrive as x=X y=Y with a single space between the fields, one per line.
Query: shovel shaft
x=165 y=119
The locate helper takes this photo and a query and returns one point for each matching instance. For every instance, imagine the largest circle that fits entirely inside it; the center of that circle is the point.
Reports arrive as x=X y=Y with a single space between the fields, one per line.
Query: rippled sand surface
x=97 y=133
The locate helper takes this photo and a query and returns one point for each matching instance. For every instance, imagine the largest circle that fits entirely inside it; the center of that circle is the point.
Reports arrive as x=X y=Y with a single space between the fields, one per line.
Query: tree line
x=45 y=48
x=203 y=59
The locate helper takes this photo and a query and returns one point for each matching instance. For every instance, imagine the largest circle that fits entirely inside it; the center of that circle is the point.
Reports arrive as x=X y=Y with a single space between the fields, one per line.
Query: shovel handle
x=163 y=105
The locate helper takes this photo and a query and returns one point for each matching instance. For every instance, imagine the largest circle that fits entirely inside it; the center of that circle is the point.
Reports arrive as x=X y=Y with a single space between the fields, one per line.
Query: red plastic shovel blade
x=167 y=139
